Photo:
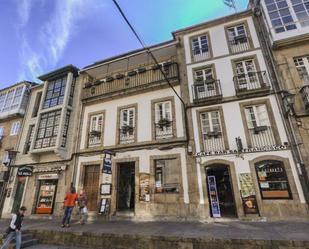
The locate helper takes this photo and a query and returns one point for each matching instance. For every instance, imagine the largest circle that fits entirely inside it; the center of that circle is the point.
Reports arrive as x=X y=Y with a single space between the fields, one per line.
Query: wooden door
x=91 y=186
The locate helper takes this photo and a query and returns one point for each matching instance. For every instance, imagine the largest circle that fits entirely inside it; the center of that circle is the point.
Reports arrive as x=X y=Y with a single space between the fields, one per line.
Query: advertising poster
x=144 y=179
x=107 y=166
x=213 y=194
x=248 y=194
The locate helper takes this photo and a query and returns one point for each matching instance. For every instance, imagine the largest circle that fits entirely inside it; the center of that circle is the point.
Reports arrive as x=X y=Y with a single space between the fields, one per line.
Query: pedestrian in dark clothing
x=82 y=205
x=68 y=204
x=14 y=230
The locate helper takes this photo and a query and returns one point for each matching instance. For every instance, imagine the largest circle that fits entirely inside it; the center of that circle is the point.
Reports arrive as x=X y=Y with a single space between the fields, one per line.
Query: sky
x=38 y=36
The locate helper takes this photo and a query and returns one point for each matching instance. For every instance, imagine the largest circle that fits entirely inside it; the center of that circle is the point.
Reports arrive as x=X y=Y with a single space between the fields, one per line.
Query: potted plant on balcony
x=119 y=76
x=164 y=122
x=156 y=66
x=141 y=70
x=88 y=84
x=109 y=79
x=126 y=129
x=214 y=134
x=95 y=133
x=260 y=128
x=132 y=73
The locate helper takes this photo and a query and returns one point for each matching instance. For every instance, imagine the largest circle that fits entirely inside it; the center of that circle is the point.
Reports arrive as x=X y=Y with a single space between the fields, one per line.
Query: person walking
x=82 y=205
x=14 y=230
x=68 y=204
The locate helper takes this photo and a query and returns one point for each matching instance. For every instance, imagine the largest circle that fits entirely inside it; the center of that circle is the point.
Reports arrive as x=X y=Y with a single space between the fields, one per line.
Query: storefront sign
x=48 y=177
x=104 y=206
x=213 y=194
x=107 y=166
x=144 y=179
x=106 y=189
x=248 y=193
x=47 y=169
x=25 y=171
x=244 y=150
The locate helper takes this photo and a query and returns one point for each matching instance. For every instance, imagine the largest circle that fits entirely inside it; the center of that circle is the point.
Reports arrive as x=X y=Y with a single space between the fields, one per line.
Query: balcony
x=304 y=91
x=261 y=136
x=126 y=134
x=199 y=56
x=164 y=129
x=239 y=44
x=253 y=82
x=213 y=141
x=95 y=138
x=133 y=80
x=206 y=90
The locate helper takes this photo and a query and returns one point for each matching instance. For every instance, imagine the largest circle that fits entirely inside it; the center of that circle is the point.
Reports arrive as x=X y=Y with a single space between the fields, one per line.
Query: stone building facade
x=284 y=29
x=13 y=104
x=46 y=145
x=244 y=162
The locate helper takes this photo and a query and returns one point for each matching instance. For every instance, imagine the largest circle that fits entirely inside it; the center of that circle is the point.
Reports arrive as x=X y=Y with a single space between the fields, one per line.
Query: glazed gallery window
x=301 y=9
x=15 y=128
x=127 y=125
x=302 y=66
x=29 y=139
x=48 y=130
x=65 y=129
x=200 y=47
x=95 y=130
x=167 y=175
x=55 y=93
x=280 y=15
x=272 y=179
x=163 y=119
x=260 y=130
x=211 y=129
x=11 y=99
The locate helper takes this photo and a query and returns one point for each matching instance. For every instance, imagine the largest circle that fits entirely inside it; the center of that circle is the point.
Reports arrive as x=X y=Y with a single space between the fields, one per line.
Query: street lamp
x=11 y=156
x=288 y=102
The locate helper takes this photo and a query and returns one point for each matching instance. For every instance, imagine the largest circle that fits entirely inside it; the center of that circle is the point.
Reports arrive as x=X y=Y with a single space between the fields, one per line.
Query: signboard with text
x=24 y=171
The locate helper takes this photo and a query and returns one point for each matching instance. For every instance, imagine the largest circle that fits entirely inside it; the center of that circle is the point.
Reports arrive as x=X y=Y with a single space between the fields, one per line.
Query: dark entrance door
x=126 y=187
x=224 y=190
x=19 y=194
x=91 y=186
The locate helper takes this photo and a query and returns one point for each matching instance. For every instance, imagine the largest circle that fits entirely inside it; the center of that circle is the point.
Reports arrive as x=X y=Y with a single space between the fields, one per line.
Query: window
x=1 y=131
x=29 y=139
x=237 y=38
x=17 y=97
x=65 y=129
x=2 y=99
x=72 y=92
x=48 y=130
x=302 y=66
x=205 y=74
x=301 y=9
x=280 y=15
x=95 y=130
x=272 y=179
x=200 y=47
x=247 y=77
x=15 y=128
x=127 y=125
x=8 y=101
x=167 y=175
x=55 y=93
x=37 y=104
x=11 y=99
x=211 y=129
x=260 y=130
x=163 y=120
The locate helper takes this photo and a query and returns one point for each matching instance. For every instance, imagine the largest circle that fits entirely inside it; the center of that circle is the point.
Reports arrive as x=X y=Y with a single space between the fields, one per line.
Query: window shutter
x=205 y=124
x=131 y=117
x=249 y=112
x=215 y=118
x=167 y=110
x=100 y=123
x=262 y=115
x=158 y=112
x=93 y=123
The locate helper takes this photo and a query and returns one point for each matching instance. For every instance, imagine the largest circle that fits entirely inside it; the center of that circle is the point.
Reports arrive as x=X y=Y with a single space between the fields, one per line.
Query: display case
x=46 y=197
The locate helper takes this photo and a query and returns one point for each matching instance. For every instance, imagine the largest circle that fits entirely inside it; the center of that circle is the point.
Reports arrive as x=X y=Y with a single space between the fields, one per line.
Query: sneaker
x=68 y=225
x=62 y=225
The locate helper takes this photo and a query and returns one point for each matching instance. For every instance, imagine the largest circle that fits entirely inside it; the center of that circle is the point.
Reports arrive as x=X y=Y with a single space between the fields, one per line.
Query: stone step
x=25 y=243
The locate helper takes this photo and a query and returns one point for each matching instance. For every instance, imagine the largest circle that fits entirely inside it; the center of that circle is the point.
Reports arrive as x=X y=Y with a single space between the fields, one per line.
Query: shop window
x=46 y=196
x=15 y=128
x=95 y=130
x=272 y=180
x=260 y=130
x=163 y=120
x=212 y=131
x=55 y=93
x=167 y=176
x=29 y=139
x=48 y=130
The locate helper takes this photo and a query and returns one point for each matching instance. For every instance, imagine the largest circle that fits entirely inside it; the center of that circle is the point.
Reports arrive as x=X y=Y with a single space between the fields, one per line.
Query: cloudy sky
x=38 y=36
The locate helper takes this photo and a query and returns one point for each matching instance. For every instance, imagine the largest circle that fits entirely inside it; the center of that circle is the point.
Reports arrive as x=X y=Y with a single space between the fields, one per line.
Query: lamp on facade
x=288 y=102
x=11 y=157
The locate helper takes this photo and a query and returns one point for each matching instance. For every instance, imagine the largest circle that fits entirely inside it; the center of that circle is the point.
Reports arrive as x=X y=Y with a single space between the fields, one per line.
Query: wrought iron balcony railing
x=139 y=78
x=126 y=134
x=239 y=44
x=251 y=82
x=164 y=129
x=206 y=90
x=262 y=136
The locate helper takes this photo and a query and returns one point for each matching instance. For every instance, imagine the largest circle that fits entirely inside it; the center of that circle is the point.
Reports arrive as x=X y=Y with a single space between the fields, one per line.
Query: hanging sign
x=107 y=166
x=213 y=194
x=25 y=171
x=248 y=194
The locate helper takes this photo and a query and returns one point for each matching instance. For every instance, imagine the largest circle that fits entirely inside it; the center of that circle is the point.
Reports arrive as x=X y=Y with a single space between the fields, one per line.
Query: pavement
x=53 y=247
x=276 y=230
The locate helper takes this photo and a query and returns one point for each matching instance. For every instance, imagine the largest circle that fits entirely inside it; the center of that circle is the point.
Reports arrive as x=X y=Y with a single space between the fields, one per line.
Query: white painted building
x=244 y=164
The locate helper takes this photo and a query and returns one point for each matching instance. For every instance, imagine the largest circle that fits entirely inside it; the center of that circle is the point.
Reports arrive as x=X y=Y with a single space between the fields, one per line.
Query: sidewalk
x=285 y=231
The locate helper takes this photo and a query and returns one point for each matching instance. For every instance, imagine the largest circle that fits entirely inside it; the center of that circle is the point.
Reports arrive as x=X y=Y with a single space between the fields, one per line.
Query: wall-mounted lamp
x=288 y=102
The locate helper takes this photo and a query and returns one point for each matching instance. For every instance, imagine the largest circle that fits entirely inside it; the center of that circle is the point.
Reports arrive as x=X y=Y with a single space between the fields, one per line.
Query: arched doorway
x=220 y=191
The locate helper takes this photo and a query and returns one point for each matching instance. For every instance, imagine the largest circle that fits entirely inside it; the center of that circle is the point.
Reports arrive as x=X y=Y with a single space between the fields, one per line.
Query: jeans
x=67 y=215
x=83 y=215
x=10 y=237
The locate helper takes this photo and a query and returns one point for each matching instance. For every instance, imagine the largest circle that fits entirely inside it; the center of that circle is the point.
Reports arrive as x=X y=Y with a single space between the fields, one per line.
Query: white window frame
x=15 y=127
x=129 y=136
x=257 y=121
x=96 y=128
x=166 y=111
x=210 y=121
x=236 y=31
x=304 y=22
x=302 y=63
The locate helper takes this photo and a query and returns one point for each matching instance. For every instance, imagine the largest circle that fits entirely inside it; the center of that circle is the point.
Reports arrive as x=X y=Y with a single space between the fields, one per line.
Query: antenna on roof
x=231 y=4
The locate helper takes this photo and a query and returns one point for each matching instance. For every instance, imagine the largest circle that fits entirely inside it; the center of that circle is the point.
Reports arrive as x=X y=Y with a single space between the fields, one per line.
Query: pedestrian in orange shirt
x=68 y=204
